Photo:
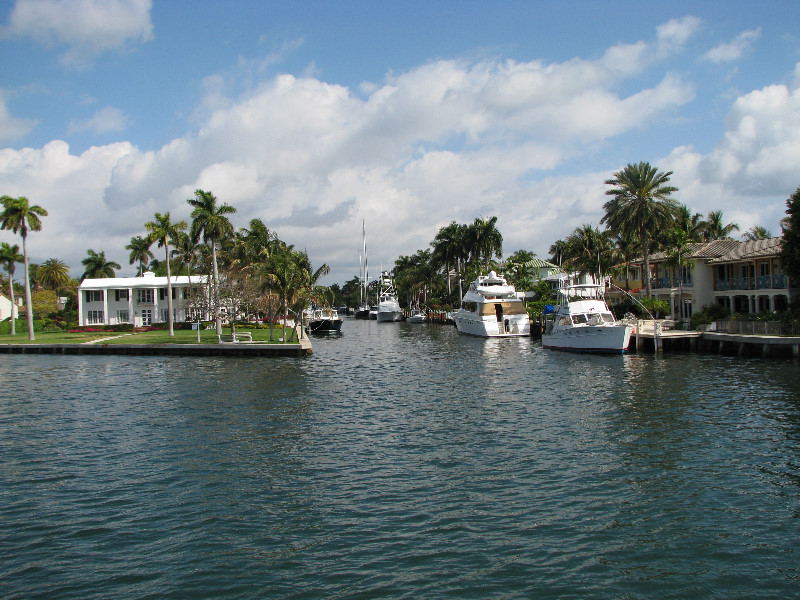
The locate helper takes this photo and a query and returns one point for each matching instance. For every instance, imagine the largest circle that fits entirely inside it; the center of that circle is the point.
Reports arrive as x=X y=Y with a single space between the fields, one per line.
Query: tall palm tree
x=140 y=251
x=641 y=204
x=485 y=240
x=757 y=232
x=10 y=256
x=53 y=274
x=97 y=266
x=209 y=219
x=450 y=250
x=715 y=230
x=20 y=216
x=163 y=231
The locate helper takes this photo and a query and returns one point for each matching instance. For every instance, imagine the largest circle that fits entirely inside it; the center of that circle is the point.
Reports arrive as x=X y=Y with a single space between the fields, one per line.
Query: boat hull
x=609 y=340
x=469 y=323
x=325 y=325
x=388 y=316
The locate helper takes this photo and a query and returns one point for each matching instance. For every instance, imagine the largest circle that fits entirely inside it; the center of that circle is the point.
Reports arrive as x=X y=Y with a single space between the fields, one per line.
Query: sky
x=319 y=116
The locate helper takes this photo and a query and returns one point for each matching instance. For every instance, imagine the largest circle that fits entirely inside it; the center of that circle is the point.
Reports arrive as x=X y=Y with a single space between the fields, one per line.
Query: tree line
x=251 y=269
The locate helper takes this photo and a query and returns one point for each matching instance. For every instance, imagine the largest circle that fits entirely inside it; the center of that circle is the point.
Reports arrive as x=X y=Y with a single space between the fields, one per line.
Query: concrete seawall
x=238 y=349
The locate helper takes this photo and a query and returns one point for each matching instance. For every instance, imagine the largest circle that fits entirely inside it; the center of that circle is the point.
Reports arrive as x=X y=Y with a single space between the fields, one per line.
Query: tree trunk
x=169 y=294
x=28 y=301
x=13 y=304
x=216 y=287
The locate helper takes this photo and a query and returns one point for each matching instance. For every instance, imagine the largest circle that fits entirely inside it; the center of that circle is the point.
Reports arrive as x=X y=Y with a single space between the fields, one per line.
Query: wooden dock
x=711 y=342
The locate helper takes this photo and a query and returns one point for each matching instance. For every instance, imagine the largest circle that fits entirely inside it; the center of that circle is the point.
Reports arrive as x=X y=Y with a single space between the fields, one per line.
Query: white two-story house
x=141 y=301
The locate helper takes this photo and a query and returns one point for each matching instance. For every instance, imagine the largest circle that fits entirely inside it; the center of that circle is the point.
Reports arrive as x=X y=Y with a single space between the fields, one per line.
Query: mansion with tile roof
x=746 y=277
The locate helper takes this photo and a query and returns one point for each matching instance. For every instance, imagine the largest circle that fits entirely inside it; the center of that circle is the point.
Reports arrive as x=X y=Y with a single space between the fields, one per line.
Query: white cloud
x=673 y=35
x=87 y=27
x=103 y=121
x=12 y=128
x=735 y=49
x=753 y=168
x=448 y=140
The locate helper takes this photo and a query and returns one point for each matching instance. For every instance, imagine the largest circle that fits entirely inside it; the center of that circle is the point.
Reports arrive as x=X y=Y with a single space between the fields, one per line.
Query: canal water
x=400 y=461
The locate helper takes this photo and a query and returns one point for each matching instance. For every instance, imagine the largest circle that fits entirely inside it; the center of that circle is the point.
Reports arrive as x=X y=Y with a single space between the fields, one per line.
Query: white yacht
x=491 y=308
x=388 y=306
x=582 y=322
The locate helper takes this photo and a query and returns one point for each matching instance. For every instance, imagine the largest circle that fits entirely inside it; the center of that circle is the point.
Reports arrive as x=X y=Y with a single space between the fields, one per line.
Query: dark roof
x=751 y=250
x=727 y=250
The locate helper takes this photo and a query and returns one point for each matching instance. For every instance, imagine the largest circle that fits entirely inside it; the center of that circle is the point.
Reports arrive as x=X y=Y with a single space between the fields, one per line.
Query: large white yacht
x=584 y=323
x=388 y=306
x=490 y=308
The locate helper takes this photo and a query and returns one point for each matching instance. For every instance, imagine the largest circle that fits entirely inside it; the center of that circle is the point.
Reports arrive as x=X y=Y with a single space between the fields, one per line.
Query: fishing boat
x=582 y=322
x=388 y=308
x=324 y=320
x=491 y=308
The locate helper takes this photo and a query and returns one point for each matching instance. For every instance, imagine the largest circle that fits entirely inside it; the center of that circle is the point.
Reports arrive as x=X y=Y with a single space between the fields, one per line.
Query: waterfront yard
x=207 y=336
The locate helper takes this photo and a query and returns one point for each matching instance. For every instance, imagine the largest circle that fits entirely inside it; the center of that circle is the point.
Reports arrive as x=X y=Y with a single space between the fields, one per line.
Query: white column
x=81 y=320
x=105 y=307
x=130 y=305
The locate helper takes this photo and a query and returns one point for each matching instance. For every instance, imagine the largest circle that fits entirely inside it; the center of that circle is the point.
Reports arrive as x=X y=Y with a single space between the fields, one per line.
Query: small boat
x=324 y=320
x=582 y=322
x=416 y=316
x=491 y=308
x=388 y=307
x=362 y=312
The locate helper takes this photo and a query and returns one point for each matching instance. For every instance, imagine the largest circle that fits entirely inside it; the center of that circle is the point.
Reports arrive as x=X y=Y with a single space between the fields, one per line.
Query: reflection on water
x=400 y=461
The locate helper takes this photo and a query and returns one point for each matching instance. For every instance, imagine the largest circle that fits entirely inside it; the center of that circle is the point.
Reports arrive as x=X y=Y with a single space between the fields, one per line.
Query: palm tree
x=449 y=249
x=589 y=250
x=19 y=216
x=140 y=251
x=10 y=256
x=757 y=232
x=715 y=230
x=692 y=224
x=641 y=205
x=209 y=220
x=97 y=266
x=678 y=258
x=485 y=240
x=163 y=230
x=53 y=274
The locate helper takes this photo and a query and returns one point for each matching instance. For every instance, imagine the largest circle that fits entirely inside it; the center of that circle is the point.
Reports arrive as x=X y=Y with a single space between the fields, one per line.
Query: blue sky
x=315 y=115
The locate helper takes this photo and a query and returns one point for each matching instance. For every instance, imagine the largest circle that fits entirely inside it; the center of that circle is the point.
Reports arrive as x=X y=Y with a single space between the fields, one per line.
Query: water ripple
x=399 y=462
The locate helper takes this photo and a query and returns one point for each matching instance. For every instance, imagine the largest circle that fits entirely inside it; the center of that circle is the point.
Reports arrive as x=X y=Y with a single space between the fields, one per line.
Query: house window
x=162 y=293
x=94 y=295
x=144 y=296
x=95 y=317
x=164 y=315
x=122 y=316
x=120 y=295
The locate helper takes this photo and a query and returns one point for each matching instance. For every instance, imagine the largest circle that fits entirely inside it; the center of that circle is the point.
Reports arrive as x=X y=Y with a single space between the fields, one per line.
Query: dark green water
x=400 y=462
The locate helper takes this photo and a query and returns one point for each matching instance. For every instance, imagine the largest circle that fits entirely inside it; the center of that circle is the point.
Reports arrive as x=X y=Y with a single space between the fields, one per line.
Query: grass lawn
x=207 y=336
x=52 y=337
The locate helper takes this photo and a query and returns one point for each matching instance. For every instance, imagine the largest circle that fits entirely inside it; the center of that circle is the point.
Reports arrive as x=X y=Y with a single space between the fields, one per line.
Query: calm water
x=400 y=461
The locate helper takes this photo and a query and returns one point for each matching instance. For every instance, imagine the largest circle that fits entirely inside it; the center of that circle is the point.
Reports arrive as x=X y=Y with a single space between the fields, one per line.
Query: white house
x=6 y=308
x=141 y=301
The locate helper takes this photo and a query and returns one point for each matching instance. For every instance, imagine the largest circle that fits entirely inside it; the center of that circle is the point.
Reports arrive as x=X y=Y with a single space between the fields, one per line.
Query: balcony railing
x=671 y=282
x=762 y=282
